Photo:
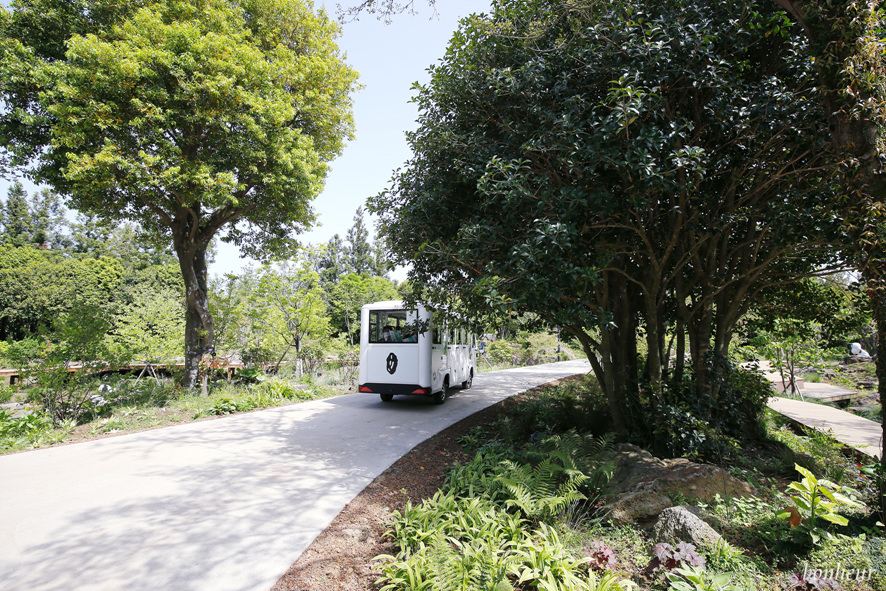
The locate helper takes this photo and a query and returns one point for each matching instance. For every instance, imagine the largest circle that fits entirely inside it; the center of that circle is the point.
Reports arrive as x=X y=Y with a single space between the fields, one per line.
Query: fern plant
x=541 y=492
x=477 y=478
x=582 y=453
x=463 y=539
x=449 y=543
x=453 y=544
x=557 y=477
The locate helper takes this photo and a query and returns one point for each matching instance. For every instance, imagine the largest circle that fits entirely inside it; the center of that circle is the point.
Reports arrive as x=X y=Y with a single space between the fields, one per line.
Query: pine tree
x=330 y=262
x=360 y=259
x=18 y=227
x=48 y=220
x=381 y=258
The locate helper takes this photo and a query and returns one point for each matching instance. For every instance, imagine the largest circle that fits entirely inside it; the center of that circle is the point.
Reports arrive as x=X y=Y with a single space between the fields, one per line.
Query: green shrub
x=6 y=393
x=528 y=349
x=541 y=482
x=64 y=365
x=250 y=375
x=576 y=405
x=502 y=351
x=479 y=477
x=815 y=505
x=30 y=430
x=699 y=427
x=741 y=403
x=266 y=393
x=818 y=452
x=19 y=353
x=676 y=432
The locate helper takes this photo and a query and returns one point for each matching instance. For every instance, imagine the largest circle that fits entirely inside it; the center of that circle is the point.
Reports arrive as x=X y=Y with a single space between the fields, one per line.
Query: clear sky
x=390 y=58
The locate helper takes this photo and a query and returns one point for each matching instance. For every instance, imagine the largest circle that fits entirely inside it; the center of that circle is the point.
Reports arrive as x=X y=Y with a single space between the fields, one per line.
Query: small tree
x=64 y=373
x=288 y=302
x=329 y=261
x=18 y=228
x=624 y=170
x=358 y=252
x=152 y=326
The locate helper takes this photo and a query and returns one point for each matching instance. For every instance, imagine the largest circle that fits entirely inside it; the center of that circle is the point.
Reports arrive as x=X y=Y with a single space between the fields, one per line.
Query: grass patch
x=128 y=406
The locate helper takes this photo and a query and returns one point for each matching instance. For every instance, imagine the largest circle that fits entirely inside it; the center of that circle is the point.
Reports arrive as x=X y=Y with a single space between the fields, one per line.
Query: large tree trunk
x=614 y=357
x=199 y=332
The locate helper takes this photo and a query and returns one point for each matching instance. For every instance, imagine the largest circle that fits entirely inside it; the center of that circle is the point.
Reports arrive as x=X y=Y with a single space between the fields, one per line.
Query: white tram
x=403 y=352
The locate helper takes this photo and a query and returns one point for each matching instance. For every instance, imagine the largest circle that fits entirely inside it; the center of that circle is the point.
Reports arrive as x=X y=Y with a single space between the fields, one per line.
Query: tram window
x=390 y=326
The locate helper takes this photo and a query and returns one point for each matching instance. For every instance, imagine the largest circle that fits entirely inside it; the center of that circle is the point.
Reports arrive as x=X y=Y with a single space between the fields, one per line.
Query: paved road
x=219 y=505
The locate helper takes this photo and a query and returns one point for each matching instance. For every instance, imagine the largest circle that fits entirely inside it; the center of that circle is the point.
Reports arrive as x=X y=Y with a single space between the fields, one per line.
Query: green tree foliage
x=228 y=306
x=185 y=116
x=272 y=314
x=39 y=220
x=358 y=254
x=287 y=305
x=151 y=325
x=36 y=286
x=330 y=261
x=350 y=294
x=613 y=167
x=845 y=42
x=137 y=286
x=64 y=368
x=352 y=272
x=34 y=33
x=840 y=310
x=48 y=221
x=90 y=234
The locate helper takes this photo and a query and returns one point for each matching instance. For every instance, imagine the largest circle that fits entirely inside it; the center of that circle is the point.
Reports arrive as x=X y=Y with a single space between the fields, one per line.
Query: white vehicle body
x=403 y=352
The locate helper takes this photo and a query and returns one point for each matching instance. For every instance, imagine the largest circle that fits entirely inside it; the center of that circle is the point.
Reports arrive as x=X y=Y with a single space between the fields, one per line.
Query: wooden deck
x=859 y=433
x=11 y=377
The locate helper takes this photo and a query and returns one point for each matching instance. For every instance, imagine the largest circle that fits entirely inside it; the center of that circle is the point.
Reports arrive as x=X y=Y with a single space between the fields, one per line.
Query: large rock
x=642 y=485
x=683 y=524
x=640 y=506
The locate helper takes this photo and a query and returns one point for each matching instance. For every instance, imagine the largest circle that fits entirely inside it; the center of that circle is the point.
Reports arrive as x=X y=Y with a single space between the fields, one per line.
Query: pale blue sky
x=389 y=57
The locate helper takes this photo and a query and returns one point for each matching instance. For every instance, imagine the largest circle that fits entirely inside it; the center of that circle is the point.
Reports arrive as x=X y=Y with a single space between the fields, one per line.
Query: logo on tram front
x=392 y=363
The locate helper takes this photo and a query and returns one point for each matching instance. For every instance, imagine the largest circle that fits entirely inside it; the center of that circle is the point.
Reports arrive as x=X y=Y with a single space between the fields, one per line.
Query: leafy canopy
x=208 y=107
x=558 y=140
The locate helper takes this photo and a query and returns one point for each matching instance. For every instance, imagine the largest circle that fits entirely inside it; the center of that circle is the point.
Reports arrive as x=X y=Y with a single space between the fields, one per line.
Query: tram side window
x=390 y=326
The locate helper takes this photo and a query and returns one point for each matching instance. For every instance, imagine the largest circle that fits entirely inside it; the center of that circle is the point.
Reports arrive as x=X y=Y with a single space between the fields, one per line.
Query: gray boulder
x=637 y=506
x=683 y=524
x=642 y=484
